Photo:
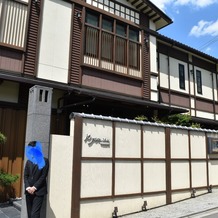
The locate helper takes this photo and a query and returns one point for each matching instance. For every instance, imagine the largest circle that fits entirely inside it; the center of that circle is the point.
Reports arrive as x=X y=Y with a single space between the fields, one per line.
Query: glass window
x=199 y=81
x=111 y=45
x=107 y=25
x=92 y=19
x=181 y=76
x=134 y=35
x=92 y=35
x=121 y=30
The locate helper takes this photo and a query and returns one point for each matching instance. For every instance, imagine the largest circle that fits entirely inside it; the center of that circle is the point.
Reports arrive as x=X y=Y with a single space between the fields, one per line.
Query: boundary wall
x=111 y=166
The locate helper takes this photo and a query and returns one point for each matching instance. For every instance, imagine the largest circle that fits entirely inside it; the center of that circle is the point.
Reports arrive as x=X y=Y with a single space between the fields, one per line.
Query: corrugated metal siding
x=75 y=49
x=32 y=39
x=13 y=25
x=145 y=62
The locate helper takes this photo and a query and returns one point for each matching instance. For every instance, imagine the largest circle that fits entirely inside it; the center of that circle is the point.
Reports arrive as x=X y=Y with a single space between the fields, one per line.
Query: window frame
x=131 y=60
x=199 y=81
x=182 y=76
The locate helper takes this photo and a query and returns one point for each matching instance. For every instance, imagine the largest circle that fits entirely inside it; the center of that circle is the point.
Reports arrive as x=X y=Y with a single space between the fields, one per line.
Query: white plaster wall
x=9 y=91
x=128 y=140
x=96 y=173
x=198 y=148
x=192 y=102
x=127 y=177
x=92 y=209
x=154 y=95
x=174 y=75
x=97 y=129
x=153 y=53
x=179 y=143
x=154 y=83
x=152 y=25
x=154 y=142
x=215 y=85
x=164 y=82
x=180 y=174
x=96 y=178
x=213 y=169
x=193 y=113
x=205 y=115
x=154 y=176
x=55 y=41
x=199 y=179
x=178 y=196
x=206 y=76
x=155 y=200
x=60 y=177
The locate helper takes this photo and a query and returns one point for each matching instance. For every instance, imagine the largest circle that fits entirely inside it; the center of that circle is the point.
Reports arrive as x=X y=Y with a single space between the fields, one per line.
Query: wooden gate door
x=13 y=125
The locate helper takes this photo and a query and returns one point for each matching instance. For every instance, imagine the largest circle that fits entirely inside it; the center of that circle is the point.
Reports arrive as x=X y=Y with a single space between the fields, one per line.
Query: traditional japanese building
x=99 y=56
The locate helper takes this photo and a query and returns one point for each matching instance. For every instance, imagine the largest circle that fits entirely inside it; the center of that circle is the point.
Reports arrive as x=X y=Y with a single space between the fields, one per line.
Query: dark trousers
x=34 y=204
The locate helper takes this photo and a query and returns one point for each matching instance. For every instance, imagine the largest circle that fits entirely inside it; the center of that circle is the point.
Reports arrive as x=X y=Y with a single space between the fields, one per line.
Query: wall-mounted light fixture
x=193 y=193
x=114 y=214
x=78 y=15
x=144 y=206
x=192 y=71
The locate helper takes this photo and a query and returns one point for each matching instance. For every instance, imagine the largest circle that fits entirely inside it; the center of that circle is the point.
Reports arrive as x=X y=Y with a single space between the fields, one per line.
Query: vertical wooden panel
x=168 y=167
x=190 y=161
x=13 y=125
x=75 y=210
x=76 y=47
x=113 y=157
x=207 y=160
x=142 y=162
x=32 y=38
x=144 y=21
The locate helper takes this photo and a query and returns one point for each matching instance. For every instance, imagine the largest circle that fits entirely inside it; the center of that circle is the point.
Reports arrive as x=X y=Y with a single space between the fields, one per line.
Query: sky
x=195 y=23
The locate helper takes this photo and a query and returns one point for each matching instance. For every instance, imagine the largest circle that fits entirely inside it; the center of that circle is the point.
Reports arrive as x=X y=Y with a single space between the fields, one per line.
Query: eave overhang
x=153 y=12
x=96 y=93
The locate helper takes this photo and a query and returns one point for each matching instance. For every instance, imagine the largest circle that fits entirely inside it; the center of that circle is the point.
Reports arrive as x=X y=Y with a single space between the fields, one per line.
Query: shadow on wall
x=49 y=211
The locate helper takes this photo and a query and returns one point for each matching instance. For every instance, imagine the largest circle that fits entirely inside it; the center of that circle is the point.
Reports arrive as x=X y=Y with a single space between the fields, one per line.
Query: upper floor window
x=181 y=76
x=112 y=45
x=117 y=9
x=199 y=81
x=13 y=18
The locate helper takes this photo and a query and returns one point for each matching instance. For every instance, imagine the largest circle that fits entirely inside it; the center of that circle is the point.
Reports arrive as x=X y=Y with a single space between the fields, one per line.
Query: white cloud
x=207 y=50
x=196 y=3
x=205 y=28
x=162 y=4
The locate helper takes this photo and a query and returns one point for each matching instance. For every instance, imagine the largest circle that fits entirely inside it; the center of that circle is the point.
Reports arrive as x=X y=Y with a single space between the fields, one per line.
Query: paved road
x=203 y=206
x=9 y=212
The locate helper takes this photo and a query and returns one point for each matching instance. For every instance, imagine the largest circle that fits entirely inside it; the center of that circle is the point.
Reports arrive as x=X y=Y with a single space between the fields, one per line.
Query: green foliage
x=7 y=179
x=141 y=118
x=180 y=119
x=176 y=119
x=3 y=138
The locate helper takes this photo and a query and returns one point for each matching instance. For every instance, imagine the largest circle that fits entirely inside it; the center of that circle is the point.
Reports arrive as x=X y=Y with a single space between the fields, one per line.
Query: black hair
x=32 y=143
